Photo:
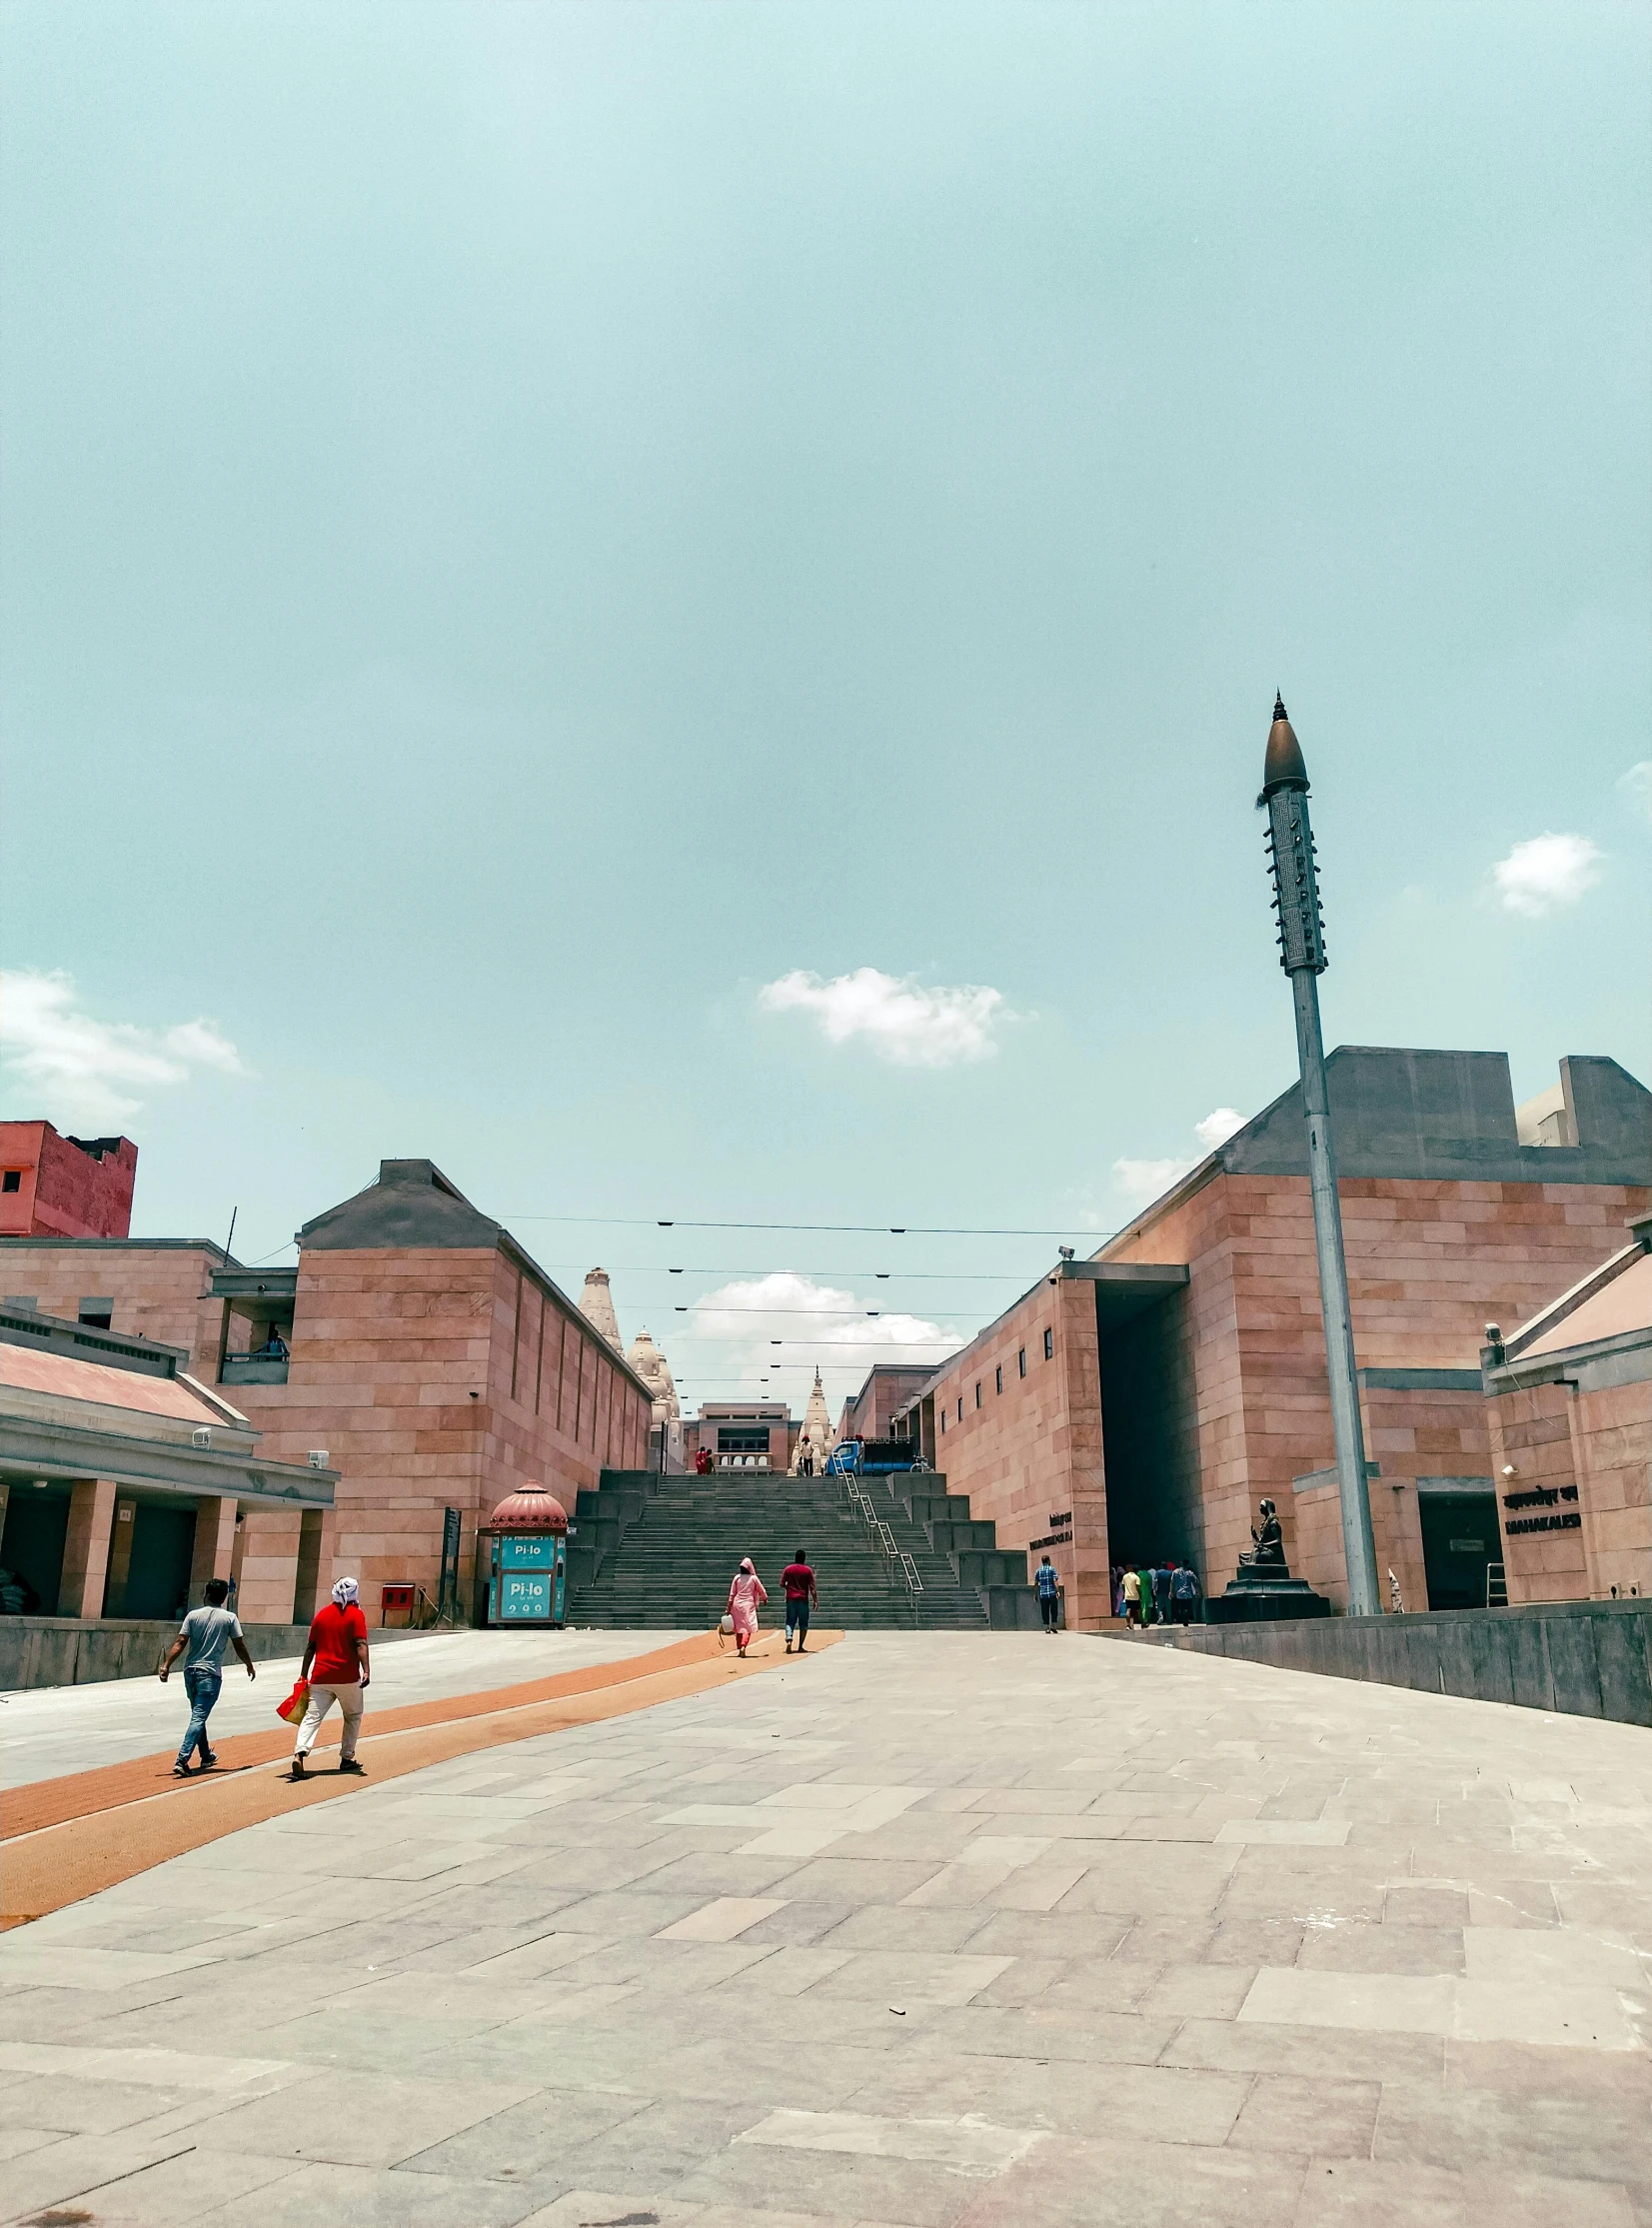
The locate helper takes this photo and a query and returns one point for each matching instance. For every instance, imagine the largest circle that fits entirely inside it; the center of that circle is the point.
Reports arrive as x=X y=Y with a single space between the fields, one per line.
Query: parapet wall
x=79 y=1651
x=1582 y=1659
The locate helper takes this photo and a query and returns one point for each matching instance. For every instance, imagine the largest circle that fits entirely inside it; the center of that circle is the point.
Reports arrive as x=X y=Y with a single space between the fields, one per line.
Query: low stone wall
x=1585 y=1658
x=77 y=1651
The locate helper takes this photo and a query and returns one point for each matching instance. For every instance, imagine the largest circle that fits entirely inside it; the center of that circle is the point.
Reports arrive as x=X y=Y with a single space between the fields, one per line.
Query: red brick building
x=53 y=1186
x=1139 y=1404
x=415 y=1346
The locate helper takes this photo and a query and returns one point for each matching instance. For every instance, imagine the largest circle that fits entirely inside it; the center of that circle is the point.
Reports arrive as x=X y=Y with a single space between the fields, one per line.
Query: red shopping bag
x=296 y=1703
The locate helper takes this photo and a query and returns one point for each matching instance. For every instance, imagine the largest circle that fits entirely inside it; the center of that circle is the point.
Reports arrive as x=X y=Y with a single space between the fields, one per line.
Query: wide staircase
x=652 y=1551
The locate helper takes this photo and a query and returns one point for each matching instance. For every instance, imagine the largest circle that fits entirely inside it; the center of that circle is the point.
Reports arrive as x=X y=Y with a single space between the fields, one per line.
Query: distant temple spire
x=815 y=1434
x=656 y=1372
x=596 y=1307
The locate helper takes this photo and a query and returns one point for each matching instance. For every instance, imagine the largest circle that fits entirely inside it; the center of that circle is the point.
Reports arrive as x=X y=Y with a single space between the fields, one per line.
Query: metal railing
x=1497 y=1590
x=912 y=1582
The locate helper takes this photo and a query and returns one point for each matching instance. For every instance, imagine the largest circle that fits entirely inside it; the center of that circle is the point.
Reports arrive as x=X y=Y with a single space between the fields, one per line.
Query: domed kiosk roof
x=529 y=1509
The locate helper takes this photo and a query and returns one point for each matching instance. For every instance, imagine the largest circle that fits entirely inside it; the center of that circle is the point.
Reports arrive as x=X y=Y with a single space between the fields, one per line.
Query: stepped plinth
x=1263 y=1587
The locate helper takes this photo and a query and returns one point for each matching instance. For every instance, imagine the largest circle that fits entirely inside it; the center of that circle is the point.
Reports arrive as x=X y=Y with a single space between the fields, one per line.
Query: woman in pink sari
x=745 y=1597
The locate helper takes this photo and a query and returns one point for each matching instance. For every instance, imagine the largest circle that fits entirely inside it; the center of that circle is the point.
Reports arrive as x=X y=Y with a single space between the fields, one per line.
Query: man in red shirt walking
x=799 y=1581
x=336 y=1664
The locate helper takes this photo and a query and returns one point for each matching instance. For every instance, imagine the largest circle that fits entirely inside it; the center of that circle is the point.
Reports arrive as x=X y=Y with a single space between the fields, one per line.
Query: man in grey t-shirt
x=201 y=1642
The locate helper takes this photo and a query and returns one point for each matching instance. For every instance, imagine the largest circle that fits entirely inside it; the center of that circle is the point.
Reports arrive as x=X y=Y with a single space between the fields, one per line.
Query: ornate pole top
x=1282 y=768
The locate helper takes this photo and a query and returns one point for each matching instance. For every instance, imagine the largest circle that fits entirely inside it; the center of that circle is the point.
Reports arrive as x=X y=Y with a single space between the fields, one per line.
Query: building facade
x=56 y=1187
x=125 y=1484
x=1569 y=1423
x=870 y=1412
x=1139 y=1404
x=742 y=1435
x=414 y=1347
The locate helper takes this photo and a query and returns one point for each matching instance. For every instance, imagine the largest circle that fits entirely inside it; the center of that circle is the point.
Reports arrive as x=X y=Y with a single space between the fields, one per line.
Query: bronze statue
x=1268 y=1550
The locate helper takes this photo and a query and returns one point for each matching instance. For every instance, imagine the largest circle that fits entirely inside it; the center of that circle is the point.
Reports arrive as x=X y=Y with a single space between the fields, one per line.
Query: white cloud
x=1142 y=1181
x=910 y=1026
x=1545 y=872
x=1217 y=1126
x=1636 y=785
x=740 y=1321
x=81 y=1072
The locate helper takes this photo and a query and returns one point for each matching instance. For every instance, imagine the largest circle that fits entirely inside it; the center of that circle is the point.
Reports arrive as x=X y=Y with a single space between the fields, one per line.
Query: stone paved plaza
x=926 y=1930
x=48 y=1730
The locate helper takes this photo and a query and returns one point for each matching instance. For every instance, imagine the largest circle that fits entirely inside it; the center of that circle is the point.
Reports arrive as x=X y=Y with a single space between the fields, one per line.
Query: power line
x=859 y=1230
x=767 y=1268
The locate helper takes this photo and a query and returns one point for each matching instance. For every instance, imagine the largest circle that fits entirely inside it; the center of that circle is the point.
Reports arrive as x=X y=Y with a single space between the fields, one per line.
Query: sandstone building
x=415 y=1346
x=1139 y=1404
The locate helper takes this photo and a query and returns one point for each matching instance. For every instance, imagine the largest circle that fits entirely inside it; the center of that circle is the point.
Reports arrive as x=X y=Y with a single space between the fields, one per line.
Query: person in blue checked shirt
x=1050 y=1593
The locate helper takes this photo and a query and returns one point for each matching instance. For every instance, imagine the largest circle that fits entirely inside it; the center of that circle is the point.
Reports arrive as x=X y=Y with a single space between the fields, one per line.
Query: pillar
x=86 y=1548
x=305 y=1603
x=120 y=1555
x=268 y=1565
x=214 y=1543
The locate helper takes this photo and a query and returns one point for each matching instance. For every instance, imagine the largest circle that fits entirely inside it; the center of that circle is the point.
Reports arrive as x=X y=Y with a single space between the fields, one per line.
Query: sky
x=677 y=606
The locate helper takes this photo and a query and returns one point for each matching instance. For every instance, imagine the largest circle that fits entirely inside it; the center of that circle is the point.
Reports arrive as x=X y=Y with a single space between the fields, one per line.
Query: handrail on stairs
x=914 y=1584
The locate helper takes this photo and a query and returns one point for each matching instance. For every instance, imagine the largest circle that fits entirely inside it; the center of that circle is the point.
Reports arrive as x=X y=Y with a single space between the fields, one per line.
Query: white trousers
x=322 y=1698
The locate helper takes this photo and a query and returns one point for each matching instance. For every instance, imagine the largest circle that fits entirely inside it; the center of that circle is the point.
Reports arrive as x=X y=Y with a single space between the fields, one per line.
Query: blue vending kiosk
x=528 y=1558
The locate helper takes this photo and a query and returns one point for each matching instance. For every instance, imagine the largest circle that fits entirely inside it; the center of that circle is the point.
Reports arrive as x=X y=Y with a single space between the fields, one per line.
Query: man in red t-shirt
x=799 y=1581
x=336 y=1664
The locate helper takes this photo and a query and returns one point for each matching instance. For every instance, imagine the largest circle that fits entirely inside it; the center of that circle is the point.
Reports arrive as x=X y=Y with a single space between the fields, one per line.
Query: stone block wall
x=159 y=1292
x=1553 y=1437
x=1032 y=1450
x=1611 y=1443
x=1430 y=1261
x=439 y=1377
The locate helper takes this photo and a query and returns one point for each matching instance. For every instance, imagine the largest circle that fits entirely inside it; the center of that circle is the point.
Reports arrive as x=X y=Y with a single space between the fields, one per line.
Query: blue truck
x=873 y=1458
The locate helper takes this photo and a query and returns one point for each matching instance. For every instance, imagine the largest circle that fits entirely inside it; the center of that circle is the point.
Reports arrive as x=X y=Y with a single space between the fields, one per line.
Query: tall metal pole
x=1302 y=956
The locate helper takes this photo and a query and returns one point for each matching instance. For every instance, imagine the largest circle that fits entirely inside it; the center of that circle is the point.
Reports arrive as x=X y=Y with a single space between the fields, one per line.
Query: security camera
x=318 y=1458
x=1509 y=1469
x=202 y=1437
x=1065 y=1251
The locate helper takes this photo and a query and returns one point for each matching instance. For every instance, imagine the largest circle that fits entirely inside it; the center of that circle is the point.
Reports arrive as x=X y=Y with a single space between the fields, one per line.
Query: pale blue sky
x=523 y=524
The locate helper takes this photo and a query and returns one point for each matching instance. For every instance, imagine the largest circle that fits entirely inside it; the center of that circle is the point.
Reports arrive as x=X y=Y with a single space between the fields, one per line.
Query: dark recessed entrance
x=1147 y=1445
x=162 y=1550
x=1459 y=1538
x=31 y=1546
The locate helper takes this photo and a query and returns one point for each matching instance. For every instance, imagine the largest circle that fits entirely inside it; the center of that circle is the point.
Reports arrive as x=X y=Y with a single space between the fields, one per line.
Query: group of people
x=335 y=1669
x=1157 y=1593
x=746 y=1597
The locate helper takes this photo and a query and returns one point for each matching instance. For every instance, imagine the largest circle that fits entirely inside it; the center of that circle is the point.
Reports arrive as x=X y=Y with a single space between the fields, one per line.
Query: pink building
x=1139 y=1404
x=1569 y=1416
x=53 y=1186
x=415 y=1349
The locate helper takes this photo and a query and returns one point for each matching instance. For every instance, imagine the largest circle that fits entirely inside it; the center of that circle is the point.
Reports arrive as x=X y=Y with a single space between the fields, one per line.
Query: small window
x=12 y=1180
x=1020 y=1363
x=998 y=1376
x=944 y=1422
x=97 y=1314
x=1049 y=1346
x=961 y=1407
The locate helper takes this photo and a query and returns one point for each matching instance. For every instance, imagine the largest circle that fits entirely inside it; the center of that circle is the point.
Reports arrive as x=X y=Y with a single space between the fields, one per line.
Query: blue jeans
x=200 y=1685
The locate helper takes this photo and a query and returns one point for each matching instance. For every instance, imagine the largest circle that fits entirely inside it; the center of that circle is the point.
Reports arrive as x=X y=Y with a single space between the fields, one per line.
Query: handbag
x=296 y=1703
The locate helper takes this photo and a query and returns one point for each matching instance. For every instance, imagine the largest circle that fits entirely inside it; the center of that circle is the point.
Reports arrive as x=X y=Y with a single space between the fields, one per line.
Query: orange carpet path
x=67 y=1838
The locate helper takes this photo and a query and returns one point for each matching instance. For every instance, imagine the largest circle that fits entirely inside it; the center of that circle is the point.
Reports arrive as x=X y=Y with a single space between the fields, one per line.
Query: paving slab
x=929 y=1931
x=55 y=1729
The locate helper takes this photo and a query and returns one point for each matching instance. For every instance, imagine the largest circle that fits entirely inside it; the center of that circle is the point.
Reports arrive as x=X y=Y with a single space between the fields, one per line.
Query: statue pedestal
x=1256 y=1595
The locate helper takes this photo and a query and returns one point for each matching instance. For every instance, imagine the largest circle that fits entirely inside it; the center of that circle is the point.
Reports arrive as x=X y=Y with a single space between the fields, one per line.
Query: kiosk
x=526 y=1539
